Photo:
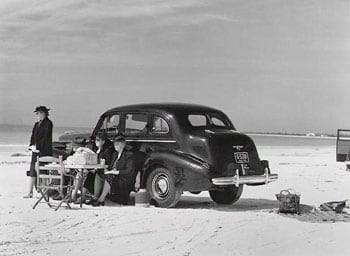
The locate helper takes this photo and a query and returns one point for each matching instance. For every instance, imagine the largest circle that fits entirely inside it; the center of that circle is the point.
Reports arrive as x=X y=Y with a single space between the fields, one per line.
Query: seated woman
x=121 y=178
x=95 y=180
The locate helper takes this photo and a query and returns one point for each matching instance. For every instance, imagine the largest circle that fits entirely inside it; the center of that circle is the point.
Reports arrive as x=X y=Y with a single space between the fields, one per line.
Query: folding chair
x=50 y=176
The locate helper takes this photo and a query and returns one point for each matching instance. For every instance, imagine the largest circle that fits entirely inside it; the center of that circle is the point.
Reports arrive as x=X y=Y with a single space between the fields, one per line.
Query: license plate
x=241 y=157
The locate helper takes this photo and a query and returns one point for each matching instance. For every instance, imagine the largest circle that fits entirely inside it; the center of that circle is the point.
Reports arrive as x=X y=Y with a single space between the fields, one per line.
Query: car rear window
x=159 y=125
x=197 y=120
x=217 y=122
x=208 y=120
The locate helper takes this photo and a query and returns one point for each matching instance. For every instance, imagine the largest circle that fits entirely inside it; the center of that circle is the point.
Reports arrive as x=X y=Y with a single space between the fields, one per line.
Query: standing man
x=40 y=142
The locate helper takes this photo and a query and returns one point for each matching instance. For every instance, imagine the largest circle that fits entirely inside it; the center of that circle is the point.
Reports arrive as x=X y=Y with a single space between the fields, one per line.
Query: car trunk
x=231 y=150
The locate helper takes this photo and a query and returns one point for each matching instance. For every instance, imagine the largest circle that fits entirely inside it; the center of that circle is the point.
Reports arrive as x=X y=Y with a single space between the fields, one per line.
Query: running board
x=240 y=180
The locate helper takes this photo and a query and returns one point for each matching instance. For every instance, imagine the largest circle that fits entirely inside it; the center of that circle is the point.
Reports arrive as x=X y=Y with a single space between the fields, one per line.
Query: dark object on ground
x=289 y=202
x=311 y=214
x=336 y=206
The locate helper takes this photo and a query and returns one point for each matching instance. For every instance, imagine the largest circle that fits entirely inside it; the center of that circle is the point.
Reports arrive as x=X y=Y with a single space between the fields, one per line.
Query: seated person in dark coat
x=119 y=181
x=95 y=180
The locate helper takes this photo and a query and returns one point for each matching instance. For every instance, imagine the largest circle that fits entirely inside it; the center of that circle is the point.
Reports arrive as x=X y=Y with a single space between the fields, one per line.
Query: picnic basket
x=289 y=201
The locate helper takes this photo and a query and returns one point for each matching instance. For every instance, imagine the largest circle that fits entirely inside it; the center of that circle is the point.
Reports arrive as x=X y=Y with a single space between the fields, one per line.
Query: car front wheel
x=161 y=188
x=227 y=195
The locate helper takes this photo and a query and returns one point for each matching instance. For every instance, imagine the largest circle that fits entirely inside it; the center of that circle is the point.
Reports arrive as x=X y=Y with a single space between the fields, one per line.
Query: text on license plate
x=241 y=157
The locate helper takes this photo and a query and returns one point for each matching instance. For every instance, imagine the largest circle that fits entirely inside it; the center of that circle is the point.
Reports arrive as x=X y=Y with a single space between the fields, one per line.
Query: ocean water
x=293 y=141
x=19 y=136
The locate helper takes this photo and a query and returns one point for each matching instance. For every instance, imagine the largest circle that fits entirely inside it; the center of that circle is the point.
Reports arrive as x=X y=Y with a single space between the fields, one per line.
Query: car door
x=161 y=133
x=136 y=127
x=110 y=125
x=343 y=145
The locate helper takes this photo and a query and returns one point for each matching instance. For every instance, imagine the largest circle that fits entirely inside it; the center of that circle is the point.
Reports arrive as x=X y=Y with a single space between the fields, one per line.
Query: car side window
x=111 y=125
x=197 y=120
x=217 y=122
x=159 y=125
x=136 y=124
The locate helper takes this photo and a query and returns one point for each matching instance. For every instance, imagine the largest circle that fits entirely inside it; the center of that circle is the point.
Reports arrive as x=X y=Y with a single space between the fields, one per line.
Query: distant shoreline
x=78 y=129
x=291 y=135
x=2 y=145
x=13 y=145
x=26 y=127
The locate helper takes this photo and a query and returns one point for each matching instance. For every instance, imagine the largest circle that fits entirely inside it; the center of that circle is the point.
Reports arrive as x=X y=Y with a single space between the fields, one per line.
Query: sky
x=271 y=66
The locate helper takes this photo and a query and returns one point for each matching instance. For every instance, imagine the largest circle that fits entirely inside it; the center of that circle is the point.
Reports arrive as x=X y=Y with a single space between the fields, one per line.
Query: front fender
x=190 y=174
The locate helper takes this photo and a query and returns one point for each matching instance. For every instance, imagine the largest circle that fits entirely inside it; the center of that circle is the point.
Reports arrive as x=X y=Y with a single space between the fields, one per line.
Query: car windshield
x=209 y=120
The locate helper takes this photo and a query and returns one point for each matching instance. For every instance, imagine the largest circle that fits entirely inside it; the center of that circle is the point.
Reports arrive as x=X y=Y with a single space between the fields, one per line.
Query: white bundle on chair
x=83 y=156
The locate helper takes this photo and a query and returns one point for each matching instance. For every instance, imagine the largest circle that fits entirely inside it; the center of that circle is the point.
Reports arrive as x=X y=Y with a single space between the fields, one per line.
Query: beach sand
x=196 y=226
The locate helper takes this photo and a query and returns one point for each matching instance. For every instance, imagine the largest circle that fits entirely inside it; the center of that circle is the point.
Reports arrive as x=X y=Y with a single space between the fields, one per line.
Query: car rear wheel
x=227 y=195
x=161 y=188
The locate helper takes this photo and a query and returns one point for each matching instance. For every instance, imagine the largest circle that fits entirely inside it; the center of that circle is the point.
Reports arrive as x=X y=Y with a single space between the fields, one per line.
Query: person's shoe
x=57 y=197
x=77 y=201
x=71 y=200
x=91 y=201
x=97 y=203
x=30 y=195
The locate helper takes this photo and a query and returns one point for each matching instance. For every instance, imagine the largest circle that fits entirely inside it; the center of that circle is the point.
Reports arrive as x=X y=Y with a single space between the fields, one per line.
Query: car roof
x=174 y=108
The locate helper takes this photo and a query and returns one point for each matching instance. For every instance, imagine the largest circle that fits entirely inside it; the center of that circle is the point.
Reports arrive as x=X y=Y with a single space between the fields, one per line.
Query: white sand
x=197 y=226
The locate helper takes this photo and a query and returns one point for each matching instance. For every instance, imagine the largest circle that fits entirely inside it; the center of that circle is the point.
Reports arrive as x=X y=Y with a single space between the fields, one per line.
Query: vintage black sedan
x=183 y=147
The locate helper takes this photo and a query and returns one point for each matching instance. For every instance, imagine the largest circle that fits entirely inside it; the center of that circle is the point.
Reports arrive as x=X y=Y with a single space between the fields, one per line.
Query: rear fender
x=189 y=173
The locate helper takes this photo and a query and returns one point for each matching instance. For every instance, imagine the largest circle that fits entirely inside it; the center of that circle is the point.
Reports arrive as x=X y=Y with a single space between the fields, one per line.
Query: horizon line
x=247 y=132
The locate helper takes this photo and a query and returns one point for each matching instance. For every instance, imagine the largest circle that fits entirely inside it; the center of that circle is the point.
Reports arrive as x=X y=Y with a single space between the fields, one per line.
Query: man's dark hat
x=119 y=138
x=42 y=109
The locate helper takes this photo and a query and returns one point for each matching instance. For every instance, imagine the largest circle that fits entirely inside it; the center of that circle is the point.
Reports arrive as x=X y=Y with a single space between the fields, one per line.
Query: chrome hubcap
x=160 y=186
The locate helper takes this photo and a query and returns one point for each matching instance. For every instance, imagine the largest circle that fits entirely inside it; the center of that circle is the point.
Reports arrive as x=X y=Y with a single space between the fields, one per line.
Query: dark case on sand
x=289 y=202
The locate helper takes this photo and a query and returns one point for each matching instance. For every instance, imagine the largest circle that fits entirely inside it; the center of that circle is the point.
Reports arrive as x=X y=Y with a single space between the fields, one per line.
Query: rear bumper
x=249 y=180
